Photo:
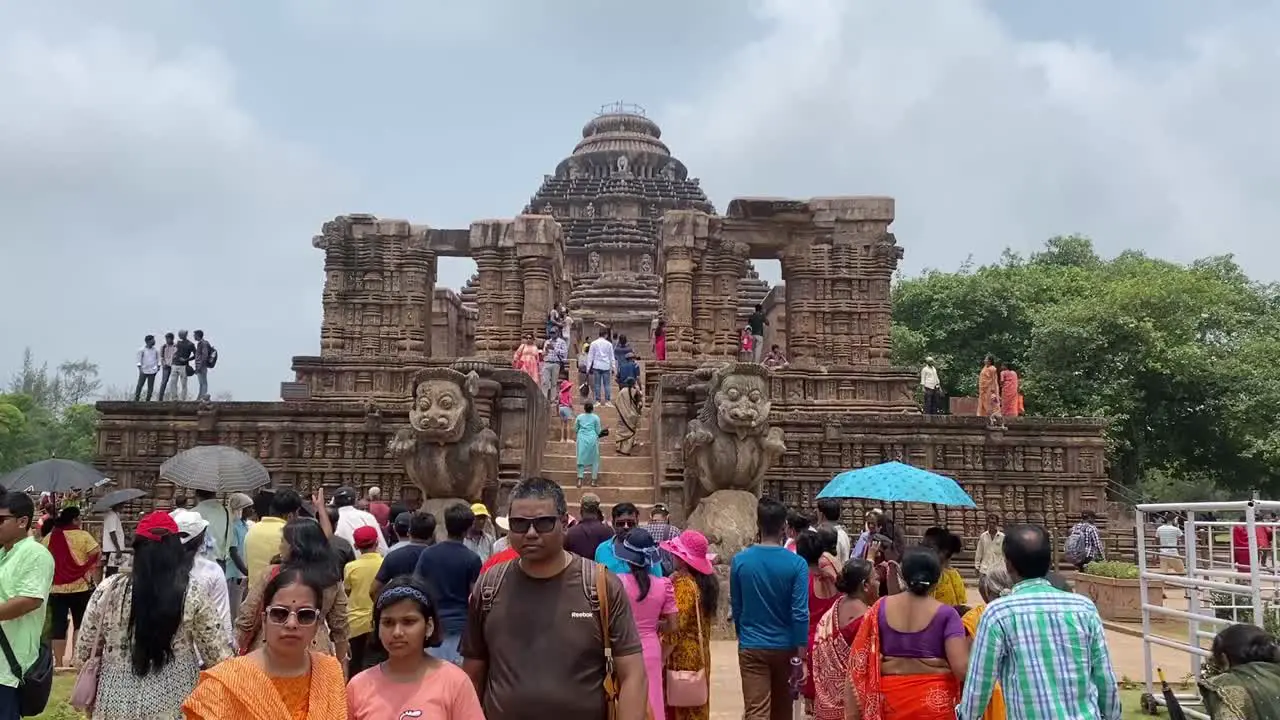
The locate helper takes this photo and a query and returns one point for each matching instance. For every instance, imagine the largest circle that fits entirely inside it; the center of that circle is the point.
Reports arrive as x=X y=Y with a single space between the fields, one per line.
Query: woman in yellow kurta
x=991 y=585
x=988 y=388
x=950 y=588
x=696 y=591
x=284 y=679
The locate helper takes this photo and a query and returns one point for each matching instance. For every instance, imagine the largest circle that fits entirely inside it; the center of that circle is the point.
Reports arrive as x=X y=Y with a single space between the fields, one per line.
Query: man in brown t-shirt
x=533 y=644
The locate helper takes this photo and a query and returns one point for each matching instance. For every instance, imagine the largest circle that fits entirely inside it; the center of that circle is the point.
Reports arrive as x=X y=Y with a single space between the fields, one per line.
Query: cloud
x=988 y=140
x=141 y=197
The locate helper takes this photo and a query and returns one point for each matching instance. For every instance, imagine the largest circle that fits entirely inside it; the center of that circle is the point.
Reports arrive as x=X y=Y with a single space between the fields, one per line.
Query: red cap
x=156 y=525
x=365 y=537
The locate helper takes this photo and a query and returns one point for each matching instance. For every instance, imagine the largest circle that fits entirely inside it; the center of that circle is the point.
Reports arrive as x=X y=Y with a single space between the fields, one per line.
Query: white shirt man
x=929 y=377
x=990 y=553
x=349 y=518
x=1170 y=557
x=206 y=574
x=113 y=541
x=600 y=361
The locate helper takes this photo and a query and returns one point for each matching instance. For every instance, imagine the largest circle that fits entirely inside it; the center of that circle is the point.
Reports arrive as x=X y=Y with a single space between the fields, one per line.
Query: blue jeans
x=9 y=703
x=448 y=650
x=203 y=377
x=602 y=385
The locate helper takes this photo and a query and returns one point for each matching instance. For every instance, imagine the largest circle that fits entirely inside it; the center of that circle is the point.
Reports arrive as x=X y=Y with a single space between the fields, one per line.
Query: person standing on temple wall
x=167 y=351
x=206 y=357
x=932 y=388
x=989 y=556
x=756 y=323
x=184 y=352
x=600 y=361
x=148 y=366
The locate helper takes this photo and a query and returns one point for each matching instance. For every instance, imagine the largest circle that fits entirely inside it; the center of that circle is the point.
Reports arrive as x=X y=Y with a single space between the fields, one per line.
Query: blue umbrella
x=897 y=482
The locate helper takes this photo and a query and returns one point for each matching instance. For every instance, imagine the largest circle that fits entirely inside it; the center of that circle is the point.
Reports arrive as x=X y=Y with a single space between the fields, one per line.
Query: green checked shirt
x=1048 y=649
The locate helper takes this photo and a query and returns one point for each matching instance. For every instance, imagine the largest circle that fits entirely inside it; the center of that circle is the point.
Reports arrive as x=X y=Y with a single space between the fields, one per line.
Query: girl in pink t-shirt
x=565 y=403
x=410 y=683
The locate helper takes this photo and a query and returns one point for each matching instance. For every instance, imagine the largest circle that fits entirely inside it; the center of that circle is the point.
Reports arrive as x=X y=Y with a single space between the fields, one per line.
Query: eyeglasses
x=542 y=524
x=625 y=523
x=279 y=615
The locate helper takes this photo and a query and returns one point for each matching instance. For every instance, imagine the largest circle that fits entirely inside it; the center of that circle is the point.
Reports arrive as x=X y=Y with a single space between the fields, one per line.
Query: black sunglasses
x=542 y=524
x=625 y=523
x=279 y=615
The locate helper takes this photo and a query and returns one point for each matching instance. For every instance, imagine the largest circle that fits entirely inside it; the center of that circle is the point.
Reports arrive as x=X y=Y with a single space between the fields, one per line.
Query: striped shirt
x=1048 y=650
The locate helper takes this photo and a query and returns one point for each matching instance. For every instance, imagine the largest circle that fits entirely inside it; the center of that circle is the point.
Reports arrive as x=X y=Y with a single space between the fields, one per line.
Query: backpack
x=1075 y=545
x=213 y=356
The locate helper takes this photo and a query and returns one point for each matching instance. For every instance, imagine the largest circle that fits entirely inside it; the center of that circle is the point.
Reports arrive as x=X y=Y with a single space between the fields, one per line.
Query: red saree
x=896 y=697
x=1010 y=399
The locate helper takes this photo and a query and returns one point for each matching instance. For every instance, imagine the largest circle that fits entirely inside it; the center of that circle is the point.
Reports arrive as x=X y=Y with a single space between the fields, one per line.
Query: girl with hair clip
x=910 y=653
x=410 y=683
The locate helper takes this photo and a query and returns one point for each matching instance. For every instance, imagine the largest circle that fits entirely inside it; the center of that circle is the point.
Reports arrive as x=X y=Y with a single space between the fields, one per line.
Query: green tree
x=1174 y=356
x=47 y=413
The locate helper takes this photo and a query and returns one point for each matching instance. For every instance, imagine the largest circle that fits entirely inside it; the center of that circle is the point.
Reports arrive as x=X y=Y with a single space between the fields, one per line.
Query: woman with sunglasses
x=149 y=630
x=303 y=546
x=284 y=679
x=410 y=683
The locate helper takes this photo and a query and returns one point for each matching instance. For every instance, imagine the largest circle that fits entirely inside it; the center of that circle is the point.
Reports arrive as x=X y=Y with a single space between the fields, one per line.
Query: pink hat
x=691 y=547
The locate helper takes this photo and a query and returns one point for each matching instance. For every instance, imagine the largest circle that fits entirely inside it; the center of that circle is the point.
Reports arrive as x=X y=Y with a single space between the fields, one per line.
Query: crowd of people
x=175 y=361
x=274 y=608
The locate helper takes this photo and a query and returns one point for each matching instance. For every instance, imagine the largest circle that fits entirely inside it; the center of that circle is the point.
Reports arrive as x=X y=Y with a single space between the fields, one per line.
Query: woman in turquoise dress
x=588 y=429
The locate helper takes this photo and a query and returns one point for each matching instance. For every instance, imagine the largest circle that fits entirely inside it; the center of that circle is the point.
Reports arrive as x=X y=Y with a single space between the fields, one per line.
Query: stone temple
x=609 y=197
x=413 y=389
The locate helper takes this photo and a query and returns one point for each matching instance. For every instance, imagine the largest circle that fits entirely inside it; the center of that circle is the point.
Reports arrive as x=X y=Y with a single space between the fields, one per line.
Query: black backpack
x=213 y=356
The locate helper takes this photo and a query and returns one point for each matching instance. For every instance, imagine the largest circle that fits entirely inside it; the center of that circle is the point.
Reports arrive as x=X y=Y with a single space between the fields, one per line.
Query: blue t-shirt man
x=450 y=568
x=769 y=597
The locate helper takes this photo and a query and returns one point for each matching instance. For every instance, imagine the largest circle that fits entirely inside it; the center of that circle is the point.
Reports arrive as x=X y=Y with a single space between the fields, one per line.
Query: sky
x=165 y=163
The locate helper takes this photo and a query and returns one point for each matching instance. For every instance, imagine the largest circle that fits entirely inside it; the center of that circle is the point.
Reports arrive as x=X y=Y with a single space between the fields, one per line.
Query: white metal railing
x=1204 y=577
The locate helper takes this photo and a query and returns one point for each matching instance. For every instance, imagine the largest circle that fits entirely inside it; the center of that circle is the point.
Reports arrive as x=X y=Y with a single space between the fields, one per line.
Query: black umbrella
x=1171 y=702
x=115 y=497
x=53 y=475
x=215 y=468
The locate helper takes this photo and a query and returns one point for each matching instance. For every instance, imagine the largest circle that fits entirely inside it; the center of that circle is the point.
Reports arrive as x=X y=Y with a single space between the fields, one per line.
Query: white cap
x=190 y=524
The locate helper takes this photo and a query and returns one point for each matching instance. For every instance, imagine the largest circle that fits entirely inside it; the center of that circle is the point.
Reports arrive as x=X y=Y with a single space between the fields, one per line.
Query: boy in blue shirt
x=769 y=597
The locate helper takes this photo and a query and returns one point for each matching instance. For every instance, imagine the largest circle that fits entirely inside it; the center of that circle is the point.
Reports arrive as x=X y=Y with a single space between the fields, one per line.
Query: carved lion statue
x=730 y=445
x=448 y=449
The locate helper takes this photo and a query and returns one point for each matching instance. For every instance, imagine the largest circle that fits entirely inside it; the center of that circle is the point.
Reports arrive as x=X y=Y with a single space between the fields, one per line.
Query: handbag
x=690 y=688
x=85 y=692
x=36 y=684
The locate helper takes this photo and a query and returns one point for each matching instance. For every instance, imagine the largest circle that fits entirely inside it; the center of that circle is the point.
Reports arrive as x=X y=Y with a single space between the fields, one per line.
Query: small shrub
x=1112 y=569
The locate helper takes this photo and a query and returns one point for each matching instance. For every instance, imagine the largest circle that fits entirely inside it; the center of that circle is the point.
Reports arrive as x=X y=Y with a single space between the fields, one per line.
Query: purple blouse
x=926 y=643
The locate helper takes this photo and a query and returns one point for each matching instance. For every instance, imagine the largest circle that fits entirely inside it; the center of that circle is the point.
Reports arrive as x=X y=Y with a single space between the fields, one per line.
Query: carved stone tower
x=610 y=196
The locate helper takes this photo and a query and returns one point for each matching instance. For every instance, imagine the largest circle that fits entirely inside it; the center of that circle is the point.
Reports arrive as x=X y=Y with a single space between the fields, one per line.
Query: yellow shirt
x=82 y=545
x=262 y=543
x=358 y=577
x=950 y=588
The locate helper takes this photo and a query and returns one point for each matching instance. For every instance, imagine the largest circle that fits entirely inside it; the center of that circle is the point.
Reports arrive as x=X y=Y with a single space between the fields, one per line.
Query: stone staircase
x=622 y=478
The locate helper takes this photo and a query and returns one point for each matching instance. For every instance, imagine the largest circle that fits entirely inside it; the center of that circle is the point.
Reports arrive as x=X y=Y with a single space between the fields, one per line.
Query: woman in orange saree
x=889 y=679
x=284 y=679
x=988 y=387
x=527 y=359
x=1010 y=399
x=992 y=585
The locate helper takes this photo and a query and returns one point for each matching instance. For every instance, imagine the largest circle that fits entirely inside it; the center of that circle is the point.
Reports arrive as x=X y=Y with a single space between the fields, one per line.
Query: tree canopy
x=47 y=413
x=1178 y=358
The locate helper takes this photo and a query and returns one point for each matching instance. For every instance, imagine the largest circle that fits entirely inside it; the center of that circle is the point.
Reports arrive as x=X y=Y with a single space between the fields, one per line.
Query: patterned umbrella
x=897 y=482
x=53 y=475
x=215 y=468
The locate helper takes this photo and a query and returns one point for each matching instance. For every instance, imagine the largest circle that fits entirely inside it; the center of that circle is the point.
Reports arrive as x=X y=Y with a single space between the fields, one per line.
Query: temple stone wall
x=453 y=326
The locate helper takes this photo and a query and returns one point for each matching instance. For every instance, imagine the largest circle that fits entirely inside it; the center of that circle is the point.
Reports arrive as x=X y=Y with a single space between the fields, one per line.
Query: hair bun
x=918 y=585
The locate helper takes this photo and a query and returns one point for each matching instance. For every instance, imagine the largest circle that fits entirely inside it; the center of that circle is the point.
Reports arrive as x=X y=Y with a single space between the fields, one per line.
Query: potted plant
x=1114 y=588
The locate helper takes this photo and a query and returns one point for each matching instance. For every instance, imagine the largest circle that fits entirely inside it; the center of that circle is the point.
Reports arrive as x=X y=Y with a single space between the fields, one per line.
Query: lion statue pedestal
x=449 y=451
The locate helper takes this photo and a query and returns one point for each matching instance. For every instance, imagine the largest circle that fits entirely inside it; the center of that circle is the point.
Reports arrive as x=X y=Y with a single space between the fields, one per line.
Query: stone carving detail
x=623 y=163
x=589 y=210
x=448 y=449
x=731 y=445
x=548 y=209
x=593 y=262
x=669 y=171
x=646 y=264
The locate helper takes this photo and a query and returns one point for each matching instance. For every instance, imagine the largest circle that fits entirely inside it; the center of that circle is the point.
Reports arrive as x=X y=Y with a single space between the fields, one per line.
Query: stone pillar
x=680 y=230
x=491 y=245
x=726 y=264
x=837 y=275
x=379 y=280
x=539 y=247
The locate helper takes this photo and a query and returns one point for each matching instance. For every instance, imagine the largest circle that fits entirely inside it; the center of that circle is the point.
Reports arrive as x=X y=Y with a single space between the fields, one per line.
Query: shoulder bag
x=35 y=685
x=689 y=688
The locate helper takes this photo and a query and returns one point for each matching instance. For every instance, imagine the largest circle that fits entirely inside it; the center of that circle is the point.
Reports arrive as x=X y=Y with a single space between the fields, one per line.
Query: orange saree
x=239 y=688
x=896 y=697
x=995 y=707
x=988 y=391
x=1010 y=398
